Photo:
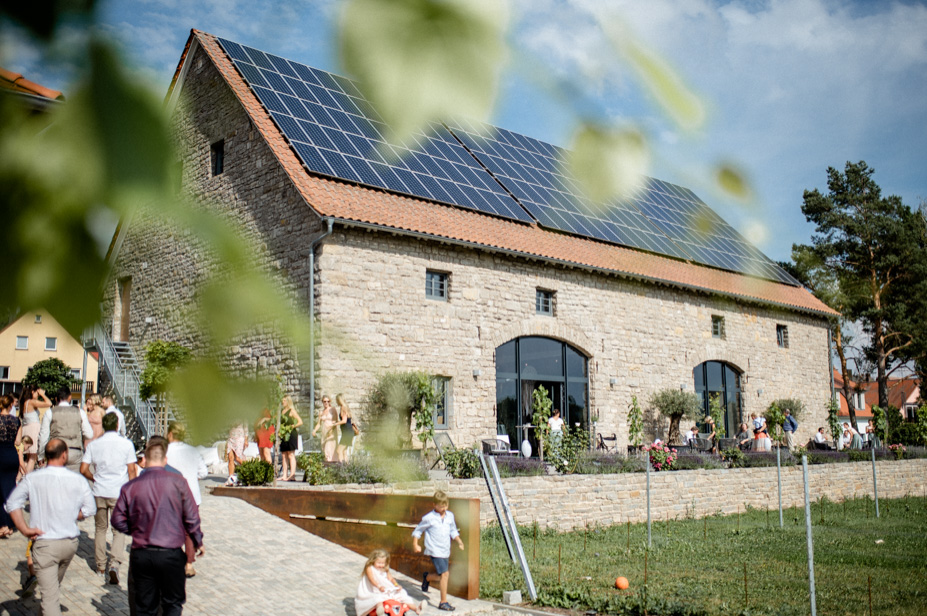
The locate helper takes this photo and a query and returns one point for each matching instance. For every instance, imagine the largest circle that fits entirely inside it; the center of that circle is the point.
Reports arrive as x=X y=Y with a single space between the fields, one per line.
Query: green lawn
x=698 y=566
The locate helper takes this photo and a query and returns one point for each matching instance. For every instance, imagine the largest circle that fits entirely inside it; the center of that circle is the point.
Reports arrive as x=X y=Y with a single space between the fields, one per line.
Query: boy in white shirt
x=439 y=529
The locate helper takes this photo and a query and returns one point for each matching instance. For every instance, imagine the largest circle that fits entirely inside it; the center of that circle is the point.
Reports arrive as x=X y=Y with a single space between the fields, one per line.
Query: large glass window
x=523 y=365
x=715 y=378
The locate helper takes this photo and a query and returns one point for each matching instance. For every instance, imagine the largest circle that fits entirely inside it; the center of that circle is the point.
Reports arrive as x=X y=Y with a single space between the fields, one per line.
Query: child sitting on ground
x=378 y=585
x=439 y=529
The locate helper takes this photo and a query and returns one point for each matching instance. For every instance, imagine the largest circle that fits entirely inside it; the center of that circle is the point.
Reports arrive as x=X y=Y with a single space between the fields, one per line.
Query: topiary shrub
x=49 y=374
x=255 y=473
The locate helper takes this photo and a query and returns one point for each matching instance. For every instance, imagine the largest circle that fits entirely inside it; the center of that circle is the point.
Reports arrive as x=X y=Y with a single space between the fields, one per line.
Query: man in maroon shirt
x=157 y=509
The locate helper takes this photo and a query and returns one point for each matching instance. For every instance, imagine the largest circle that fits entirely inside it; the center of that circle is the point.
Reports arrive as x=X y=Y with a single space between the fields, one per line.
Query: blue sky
x=790 y=86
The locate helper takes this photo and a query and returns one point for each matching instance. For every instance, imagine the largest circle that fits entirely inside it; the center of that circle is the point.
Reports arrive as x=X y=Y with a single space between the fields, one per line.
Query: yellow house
x=35 y=336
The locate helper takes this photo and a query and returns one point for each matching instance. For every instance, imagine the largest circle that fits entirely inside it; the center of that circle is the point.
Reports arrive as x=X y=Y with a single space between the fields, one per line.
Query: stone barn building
x=471 y=257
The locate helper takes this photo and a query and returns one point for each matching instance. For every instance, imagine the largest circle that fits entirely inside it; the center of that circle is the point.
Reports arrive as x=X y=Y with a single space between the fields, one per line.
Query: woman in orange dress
x=264 y=435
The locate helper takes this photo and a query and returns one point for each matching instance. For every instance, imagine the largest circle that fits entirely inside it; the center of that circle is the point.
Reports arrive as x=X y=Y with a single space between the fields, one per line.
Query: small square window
x=22 y=342
x=51 y=344
x=4 y=373
x=217 y=157
x=544 y=302
x=436 y=285
x=38 y=318
x=782 y=336
x=75 y=374
x=717 y=326
x=442 y=413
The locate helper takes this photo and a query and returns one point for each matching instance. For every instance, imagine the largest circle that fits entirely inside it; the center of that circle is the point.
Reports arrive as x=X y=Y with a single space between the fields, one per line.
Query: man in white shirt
x=70 y=424
x=111 y=408
x=113 y=457
x=186 y=459
x=58 y=498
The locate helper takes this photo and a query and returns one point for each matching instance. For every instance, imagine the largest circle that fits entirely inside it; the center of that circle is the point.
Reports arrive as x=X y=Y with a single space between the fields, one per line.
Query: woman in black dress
x=288 y=447
x=10 y=435
x=347 y=428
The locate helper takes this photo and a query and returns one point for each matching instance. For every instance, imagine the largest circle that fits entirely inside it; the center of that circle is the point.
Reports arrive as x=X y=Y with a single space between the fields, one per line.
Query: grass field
x=698 y=566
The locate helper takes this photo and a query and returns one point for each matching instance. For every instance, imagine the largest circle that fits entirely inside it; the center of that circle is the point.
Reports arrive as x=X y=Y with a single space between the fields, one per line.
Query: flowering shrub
x=662 y=457
x=898 y=450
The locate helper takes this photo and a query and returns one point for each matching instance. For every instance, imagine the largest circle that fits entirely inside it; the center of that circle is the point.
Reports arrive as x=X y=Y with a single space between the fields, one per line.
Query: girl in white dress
x=378 y=585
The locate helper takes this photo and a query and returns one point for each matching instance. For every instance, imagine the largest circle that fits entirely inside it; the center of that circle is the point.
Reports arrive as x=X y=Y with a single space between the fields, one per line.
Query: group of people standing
x=335 y=426
x=91 y=469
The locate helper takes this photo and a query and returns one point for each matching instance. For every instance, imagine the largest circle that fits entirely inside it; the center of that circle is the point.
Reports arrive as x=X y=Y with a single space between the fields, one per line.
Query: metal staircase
x=118 y=361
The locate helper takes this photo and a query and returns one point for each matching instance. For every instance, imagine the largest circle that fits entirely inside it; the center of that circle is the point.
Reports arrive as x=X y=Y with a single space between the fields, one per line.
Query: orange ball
x=621 y=583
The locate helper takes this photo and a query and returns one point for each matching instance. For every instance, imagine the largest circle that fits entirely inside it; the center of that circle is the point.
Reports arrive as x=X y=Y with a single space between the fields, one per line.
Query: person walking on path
x=31 y=401
x=328 y=424
x=10 y=435
x=113 y=460
x=439 y=529
x=235 y=446
x=186 y=459
x=157 y=509
x=108 y=404
x=264 y=435
x=70 y=424
x=58 y=498
x=789 y=426
x=348 y=431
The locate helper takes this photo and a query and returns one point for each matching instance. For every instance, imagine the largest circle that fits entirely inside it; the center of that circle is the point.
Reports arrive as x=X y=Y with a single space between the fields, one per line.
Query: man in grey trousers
x=58 y=498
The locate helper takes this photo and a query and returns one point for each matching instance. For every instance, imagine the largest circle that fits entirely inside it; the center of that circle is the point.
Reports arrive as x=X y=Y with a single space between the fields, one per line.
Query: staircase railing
x=125 y=379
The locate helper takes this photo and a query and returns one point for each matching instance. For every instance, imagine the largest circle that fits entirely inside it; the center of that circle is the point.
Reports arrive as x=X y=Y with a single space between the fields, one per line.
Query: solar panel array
x=532 y=171
x=335 y=132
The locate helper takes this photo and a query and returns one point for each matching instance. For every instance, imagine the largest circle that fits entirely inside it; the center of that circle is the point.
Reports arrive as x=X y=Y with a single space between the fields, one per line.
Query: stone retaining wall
x=569 y=502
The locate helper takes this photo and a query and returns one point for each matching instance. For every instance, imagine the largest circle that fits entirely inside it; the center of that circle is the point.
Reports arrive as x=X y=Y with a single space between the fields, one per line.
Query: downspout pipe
x=830 y=360
x=328 y=231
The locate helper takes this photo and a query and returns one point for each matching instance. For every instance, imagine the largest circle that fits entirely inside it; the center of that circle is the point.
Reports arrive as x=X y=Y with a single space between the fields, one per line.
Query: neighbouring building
x=34 y=336
x=903 y=394
x=471 y=257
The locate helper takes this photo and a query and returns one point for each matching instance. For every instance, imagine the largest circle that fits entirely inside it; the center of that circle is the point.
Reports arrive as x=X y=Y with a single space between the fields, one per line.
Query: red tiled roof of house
x=900 y=391
x=356 y=204
x=16 y=82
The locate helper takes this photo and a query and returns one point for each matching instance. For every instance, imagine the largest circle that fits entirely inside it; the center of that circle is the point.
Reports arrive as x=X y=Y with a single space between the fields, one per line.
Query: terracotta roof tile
x=349 y=202
x=16 y=82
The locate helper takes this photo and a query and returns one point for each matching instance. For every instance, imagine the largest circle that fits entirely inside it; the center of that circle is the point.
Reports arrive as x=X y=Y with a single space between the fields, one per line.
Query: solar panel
x=335 y=132
x=659 y=217
x=533 y=172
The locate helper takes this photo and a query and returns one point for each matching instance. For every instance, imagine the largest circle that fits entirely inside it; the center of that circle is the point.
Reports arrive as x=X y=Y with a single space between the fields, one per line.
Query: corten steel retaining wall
x=571 y=501
x=364 y=522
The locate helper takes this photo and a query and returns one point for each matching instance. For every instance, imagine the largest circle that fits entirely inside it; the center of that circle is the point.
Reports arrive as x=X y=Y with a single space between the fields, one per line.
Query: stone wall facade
x=644 y=336
x=569 y=502
x=166 y=265
x=638 y=337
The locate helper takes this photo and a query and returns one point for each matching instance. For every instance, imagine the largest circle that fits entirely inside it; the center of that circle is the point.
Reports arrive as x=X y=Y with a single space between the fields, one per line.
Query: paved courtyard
x=255 y=564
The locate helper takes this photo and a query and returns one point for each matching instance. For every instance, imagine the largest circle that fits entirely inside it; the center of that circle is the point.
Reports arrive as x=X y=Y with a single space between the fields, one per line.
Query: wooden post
x=746 y=597
x=559 y=556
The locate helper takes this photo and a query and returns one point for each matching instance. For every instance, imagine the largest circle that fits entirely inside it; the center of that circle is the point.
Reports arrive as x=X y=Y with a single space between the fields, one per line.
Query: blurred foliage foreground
x=105 y=157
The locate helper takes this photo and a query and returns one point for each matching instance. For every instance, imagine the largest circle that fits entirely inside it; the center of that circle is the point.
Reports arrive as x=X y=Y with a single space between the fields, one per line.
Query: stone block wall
x=643 y=335
x=569 y=502
x=167 y=265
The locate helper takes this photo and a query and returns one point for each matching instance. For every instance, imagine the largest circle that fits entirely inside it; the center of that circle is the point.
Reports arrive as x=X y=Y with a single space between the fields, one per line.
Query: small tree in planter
x=635 y=424
x=716 y=410
x=676 y=404
x=396 y=401
x=774 y=417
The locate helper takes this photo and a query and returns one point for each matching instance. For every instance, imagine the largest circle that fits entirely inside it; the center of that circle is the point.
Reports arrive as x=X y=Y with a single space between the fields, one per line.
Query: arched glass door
x=524 y=364
x=715 y=378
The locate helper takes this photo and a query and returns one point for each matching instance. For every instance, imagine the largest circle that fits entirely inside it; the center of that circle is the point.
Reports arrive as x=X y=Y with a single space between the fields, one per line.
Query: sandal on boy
x=447 y=607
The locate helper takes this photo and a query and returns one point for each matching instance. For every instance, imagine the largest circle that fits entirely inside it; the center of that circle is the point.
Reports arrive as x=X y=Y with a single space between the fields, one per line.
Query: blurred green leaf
x=608 y=163
x=213 y=399
x=657 y=77
x=732 y=181
x=419 y=61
